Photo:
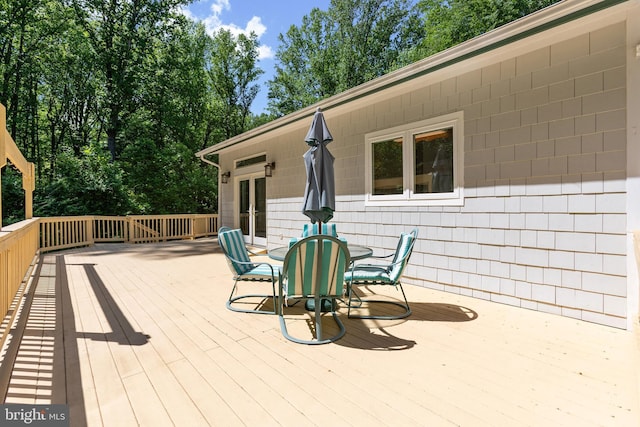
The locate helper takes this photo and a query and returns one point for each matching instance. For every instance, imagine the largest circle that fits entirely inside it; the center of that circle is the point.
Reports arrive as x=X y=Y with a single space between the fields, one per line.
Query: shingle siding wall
x=544 y=218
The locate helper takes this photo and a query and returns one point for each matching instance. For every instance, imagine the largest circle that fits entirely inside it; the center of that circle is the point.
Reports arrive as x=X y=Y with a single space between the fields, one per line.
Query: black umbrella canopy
x=319 y=193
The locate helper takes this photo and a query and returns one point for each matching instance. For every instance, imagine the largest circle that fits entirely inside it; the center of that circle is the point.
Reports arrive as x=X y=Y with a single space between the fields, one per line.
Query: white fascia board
x=540 y=21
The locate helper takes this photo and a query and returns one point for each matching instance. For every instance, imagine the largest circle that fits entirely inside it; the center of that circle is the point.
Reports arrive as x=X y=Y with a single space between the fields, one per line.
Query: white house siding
x=544 y=221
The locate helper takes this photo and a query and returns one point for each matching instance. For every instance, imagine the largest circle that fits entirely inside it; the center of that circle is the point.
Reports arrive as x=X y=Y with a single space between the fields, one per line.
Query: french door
x=252 y=208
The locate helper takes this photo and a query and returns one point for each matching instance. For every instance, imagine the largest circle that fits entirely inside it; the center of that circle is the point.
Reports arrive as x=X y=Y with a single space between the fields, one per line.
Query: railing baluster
x=67 y=232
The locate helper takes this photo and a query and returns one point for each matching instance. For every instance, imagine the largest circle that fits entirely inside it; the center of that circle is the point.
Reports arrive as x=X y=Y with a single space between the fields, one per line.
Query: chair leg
x=318 y=320
x=233 y=299
x=350 y=303
x=361 y=301
x=318 y=312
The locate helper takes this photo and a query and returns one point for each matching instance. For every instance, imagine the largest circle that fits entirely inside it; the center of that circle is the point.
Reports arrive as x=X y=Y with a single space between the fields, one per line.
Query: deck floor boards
x=139 y=335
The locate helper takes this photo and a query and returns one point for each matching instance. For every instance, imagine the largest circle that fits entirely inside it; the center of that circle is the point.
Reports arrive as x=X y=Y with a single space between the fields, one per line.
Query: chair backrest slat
x=403 y=252
x=305 y=277
x=232 y=243
x=308 y=229
x=312 y=229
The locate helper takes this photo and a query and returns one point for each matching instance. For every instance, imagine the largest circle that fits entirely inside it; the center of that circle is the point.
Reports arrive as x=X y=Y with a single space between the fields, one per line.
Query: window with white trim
x=416 y=164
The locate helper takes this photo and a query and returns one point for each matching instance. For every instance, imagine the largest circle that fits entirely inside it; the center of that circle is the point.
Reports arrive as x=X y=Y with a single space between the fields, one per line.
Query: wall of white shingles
x=543 y=224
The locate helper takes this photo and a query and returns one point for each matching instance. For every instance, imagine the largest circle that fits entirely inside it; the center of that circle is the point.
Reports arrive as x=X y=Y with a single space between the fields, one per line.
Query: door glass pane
x=387 y=167
x=433 y=154
x=244 y=207
x=261 y=207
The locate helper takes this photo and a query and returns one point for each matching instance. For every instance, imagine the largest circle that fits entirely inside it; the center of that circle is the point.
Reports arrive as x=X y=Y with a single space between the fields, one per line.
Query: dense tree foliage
x=355 y=41
x=111 y=98
x=121 y=34
x=352 y=42
x=450 y=22
x=231 y=66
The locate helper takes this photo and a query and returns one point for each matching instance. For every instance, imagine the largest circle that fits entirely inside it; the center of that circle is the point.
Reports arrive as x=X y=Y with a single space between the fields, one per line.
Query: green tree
x=351 y=43
x=68 y=96
x=12 y=196
x=28 y=29
x=121 y=33
x=450 y=22
x=305 y=70
x=233 y=72
x=371 y=36
x=160 y=169
x=83 y=186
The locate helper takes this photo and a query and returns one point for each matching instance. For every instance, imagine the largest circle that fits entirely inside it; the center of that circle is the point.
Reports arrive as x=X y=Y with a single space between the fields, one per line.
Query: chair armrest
x=254 y=263
x=370 y=267
x=386 y=267
x=382 y=256
x=276 y=270
x=375 y=257
x=237 y=261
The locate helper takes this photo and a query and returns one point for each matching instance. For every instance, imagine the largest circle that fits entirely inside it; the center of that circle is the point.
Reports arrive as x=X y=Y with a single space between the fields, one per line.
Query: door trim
x=251 y=238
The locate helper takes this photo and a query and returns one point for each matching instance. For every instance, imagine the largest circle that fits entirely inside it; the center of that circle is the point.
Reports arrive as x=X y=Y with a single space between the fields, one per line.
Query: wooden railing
x=68 y=232
x=18 y=247
x=65 y=232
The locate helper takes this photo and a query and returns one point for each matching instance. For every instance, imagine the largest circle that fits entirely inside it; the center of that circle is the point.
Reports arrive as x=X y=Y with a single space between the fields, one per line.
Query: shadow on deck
x=139 y=335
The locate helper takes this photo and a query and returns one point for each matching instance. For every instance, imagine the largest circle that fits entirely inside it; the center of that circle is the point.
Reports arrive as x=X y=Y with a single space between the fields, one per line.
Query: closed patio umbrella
x=319 y=193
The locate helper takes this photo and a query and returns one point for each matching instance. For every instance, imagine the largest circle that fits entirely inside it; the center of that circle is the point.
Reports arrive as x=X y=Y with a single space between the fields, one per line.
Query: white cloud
x=214 y=23
x=186 y=12
x=256 y=25
x=265 y=52
x=220 y=5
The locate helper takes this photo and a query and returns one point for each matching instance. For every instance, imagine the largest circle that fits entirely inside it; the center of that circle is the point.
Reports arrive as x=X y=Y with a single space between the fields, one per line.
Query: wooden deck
x=139 y=335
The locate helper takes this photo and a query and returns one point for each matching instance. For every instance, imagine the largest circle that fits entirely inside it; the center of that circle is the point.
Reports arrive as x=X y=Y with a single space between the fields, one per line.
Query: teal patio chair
x=313 y=271
x=245 y=270
x=226 y=228
x=381 y=274
x=223 y=229
x=309 y=229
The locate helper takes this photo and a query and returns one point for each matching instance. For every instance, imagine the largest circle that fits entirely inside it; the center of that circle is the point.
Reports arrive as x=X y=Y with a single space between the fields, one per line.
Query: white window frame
x=407 y=133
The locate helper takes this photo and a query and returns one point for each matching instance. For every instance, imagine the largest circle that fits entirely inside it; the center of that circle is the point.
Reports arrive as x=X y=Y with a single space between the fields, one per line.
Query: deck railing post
x=90 y=236
x=3 y=152
x=28 y=185
x=0 y=190
x=10 y=151
x=130 y=225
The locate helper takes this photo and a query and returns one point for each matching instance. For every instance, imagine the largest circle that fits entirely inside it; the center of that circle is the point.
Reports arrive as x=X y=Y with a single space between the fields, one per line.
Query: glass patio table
x=357 y=252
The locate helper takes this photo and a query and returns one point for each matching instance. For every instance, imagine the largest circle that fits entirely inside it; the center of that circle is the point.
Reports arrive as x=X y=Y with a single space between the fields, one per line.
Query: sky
x=267 y=18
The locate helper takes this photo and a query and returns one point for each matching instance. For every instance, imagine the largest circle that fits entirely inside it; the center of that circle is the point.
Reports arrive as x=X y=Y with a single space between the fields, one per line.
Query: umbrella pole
x=318 y=302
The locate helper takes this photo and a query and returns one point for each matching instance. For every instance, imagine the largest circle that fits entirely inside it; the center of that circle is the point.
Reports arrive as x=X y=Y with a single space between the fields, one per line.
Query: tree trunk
x=111 y=142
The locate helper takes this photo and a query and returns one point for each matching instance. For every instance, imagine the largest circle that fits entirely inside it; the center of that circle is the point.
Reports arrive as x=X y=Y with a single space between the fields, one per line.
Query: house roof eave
x=537 y=22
